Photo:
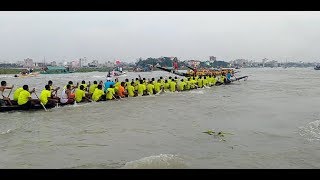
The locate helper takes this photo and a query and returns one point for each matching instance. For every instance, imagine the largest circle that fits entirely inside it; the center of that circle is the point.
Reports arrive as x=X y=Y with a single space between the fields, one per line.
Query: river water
x=273 y=118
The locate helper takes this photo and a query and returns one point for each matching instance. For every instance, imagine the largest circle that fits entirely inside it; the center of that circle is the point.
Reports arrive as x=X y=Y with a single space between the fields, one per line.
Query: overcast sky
x=64 y=35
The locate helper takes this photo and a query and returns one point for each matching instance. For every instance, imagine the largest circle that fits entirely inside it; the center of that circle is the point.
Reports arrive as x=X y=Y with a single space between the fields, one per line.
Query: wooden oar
x=40 y=102
x=9 y=96
x=10 y=91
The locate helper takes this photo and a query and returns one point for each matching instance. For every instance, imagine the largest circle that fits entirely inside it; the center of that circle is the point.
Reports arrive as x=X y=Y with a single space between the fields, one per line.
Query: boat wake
x=162 y=161
x=196 y=92
x=311 y=131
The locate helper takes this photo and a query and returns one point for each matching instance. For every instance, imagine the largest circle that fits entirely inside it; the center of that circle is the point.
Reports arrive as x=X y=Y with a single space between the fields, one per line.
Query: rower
x=200 y=82
x=228 y=77
x=98 y=94
x=25 y=99
x=45 y=96
x=127 y=84
x=80 y=94
x=121 y=91
x=16 y=94
x=108 y=84
x=50 y=83
x=116 y=85
x=2 y=88
x=141 y=88
x=182 y=85
x=93 y=87
x=166 y=85
x=150 y=88
x=110 y=93
x=173 y=86
x=53 y=90
x=84 y=85
x=188 y=84
x=157 y=86
x=161 y=80
x=67 y=97
x=131 y=90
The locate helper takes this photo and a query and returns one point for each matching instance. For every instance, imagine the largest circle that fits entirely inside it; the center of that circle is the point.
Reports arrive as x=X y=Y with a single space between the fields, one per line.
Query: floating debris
x=219 y=134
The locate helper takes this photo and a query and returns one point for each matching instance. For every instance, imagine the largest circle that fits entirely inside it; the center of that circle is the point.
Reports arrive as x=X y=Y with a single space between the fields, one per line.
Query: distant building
x=28 y=63
x=193 y=62
x=212 y=59
x=109 y=64
x=53 y=63
x=94 y=63
x=40 y=64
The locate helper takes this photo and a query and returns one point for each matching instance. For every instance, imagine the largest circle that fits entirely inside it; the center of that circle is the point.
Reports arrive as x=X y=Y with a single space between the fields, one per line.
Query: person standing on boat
x=2 y=88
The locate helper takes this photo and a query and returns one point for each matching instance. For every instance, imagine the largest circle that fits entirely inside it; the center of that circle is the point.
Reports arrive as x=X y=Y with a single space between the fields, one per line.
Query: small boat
x=171 y=70
x=118 y=73
x=56 y=70
x=24 y=108
x=317 y=67
x=22 y=75
x=16 y=107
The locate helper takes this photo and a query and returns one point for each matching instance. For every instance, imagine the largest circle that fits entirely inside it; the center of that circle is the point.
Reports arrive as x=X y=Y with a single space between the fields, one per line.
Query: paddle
x=40 y=102
x=10 y=91
x=9 y=96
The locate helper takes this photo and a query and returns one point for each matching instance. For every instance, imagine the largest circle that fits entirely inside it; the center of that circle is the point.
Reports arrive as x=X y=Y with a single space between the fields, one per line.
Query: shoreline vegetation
x=81 y=70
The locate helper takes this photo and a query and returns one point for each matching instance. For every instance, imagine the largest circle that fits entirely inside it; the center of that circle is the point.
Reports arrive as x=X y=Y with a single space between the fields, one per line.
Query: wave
x=311 y=131
x=162 y=161
x=6 y=132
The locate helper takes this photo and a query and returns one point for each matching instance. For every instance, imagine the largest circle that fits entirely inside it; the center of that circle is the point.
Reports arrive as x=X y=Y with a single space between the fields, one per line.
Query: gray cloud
x=187 y=35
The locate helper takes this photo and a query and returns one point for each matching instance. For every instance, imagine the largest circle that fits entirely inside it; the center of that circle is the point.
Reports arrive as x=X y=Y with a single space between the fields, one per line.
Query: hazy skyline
x=128 y=35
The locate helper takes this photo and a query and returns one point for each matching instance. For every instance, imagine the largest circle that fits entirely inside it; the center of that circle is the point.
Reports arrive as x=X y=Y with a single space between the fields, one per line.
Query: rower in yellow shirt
x=110 y=93
x=141 y=88
x=25 y=99
x=93 y=87
x=200 y=82
x=166 y=85
x=157 y=86
x=45 y=96
x=150 y=88
x=173 y=86
x=80 y=94
x=98 y=94
x=131 y=91
x=16 y=93
x=83 y=83
x=182 y=85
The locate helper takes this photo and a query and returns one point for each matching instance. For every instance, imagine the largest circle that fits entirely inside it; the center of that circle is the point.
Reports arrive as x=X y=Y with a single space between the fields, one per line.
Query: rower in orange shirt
x=121 y=91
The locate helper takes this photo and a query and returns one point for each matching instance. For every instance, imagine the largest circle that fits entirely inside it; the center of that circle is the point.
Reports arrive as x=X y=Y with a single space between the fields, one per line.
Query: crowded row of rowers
x=109 y=90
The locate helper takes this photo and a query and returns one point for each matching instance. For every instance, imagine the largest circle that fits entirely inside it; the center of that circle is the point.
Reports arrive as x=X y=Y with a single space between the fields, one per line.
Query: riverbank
x=82 y=70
